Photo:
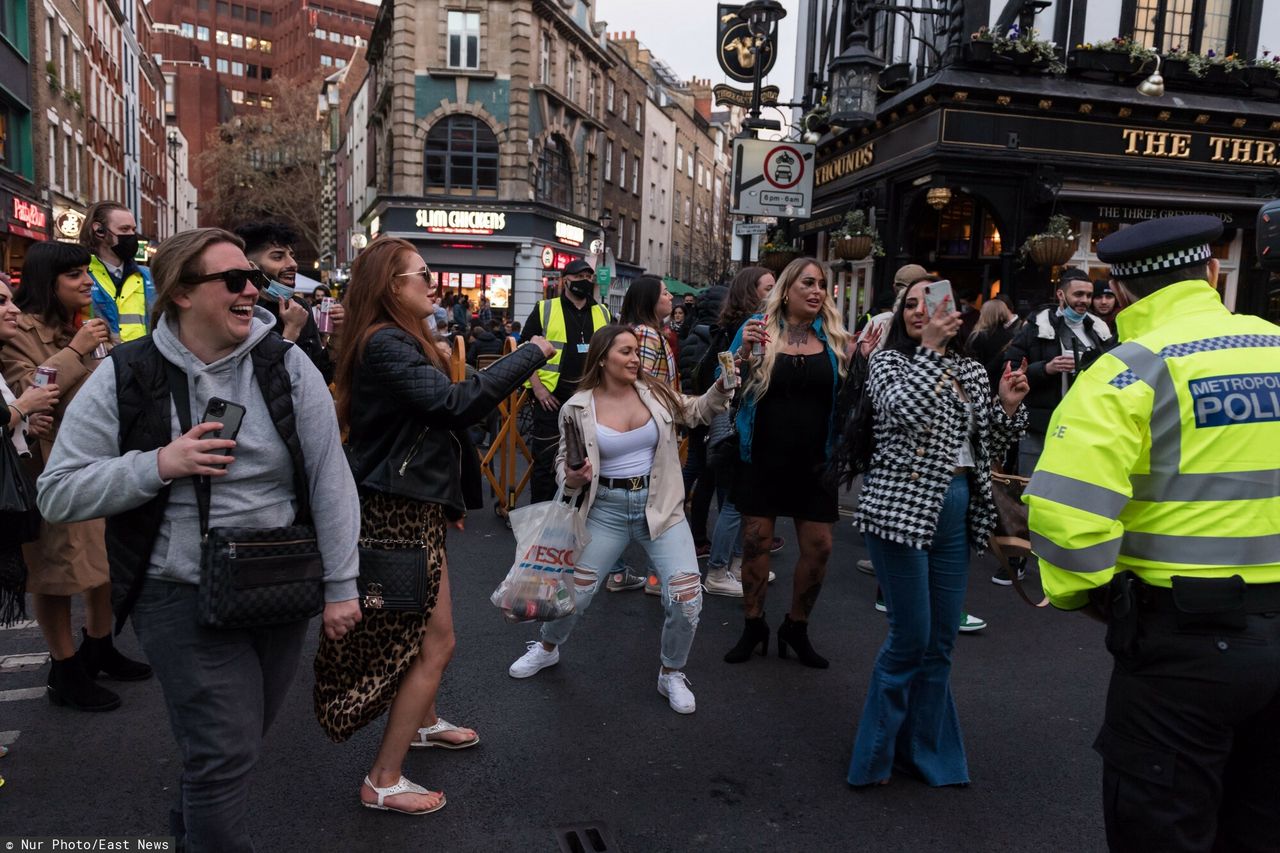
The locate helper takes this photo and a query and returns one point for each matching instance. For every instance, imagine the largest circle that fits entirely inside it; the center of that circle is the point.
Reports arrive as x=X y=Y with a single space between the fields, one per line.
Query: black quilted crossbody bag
x=393 y=575
x=252 y=577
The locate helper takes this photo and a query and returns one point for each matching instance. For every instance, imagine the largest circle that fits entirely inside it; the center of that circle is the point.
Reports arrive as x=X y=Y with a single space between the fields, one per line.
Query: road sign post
x=773 y=178
x=603 y=276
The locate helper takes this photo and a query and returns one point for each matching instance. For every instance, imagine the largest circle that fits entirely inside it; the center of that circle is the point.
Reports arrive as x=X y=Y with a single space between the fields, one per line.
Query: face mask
x=580 y=288
x=276 y=290
x=126 y=246
x=1072 y=315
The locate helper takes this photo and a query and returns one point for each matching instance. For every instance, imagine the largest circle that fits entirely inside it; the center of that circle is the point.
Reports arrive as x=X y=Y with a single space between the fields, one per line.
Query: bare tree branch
x=267 y=164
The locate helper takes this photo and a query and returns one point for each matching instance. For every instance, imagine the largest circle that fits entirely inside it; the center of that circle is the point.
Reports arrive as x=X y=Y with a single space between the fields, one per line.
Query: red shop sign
x=30 y=214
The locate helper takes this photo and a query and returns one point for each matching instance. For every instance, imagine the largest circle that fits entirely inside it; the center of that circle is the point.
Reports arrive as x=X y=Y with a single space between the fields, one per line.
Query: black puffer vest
x=145 y=411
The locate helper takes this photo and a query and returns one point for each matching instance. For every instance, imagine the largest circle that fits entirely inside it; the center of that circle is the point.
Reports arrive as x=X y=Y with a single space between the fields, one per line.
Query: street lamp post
x=174 y=144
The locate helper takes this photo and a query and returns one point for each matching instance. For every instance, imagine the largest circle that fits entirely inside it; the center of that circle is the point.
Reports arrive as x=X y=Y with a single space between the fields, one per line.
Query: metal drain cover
x=586 y=838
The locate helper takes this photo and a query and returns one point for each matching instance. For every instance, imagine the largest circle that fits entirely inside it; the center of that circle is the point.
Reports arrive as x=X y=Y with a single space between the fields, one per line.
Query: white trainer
x=722 y=582
x=534 y=661
x=735 y=569
x=675 y=686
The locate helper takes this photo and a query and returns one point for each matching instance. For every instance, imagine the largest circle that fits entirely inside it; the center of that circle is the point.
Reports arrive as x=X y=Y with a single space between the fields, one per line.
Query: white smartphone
x=937 y=294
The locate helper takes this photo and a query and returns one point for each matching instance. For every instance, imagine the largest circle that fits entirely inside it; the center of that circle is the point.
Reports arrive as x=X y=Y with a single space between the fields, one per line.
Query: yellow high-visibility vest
x=553 y=329
x=126 y=311
x=1164 y=457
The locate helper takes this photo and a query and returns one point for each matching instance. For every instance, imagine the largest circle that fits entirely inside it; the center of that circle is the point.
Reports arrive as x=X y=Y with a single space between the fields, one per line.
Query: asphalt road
x=760 y=766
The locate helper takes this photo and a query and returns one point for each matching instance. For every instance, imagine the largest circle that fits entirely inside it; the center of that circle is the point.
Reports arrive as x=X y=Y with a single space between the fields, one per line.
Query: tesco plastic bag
x=539 y=586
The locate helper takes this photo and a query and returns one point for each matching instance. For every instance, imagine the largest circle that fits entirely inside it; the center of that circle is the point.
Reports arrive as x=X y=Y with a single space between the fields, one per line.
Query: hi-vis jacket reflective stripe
x=1164 y=458
x=125 y=312
x=554 y=331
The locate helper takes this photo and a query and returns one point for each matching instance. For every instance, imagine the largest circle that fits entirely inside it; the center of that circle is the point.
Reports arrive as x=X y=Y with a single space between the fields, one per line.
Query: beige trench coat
x=67 y=558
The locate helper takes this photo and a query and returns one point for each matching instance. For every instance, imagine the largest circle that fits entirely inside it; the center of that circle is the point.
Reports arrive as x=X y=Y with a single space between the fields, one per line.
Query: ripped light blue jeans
x=616 y=520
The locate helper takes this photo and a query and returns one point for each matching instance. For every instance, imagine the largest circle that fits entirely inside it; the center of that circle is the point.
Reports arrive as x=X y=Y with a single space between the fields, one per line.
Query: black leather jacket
x=408 y=433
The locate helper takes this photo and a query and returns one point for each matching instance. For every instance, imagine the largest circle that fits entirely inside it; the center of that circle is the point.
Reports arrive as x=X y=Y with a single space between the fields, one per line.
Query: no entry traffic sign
x=773 y=178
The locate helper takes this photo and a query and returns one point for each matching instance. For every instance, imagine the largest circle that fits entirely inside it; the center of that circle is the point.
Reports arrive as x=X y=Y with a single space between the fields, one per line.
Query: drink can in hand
x=45 y=376
x=324 y=320
x=100 y=351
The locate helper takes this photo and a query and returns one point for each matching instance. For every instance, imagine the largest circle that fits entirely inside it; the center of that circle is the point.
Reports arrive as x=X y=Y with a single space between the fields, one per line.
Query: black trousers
x=699 y=484
x=546 y=441
x=1191 y=740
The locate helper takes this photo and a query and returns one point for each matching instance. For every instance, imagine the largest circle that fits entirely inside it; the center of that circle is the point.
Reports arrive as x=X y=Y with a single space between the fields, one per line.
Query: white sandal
x=423 y=740
x=404 y=786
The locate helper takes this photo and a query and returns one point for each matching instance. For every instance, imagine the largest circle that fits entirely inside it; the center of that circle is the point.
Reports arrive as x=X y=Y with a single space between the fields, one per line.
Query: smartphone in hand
x=229 y=414
x=938 y=294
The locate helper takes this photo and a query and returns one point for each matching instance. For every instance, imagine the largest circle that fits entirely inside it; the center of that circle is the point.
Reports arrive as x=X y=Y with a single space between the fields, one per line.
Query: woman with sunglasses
x=67 y=559
x=417 y=473
x=787 y=431
x=123 y=455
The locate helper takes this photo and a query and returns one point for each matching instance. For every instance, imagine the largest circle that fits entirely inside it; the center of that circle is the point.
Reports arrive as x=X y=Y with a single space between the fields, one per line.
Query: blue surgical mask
x=1072 y=315
x=276 y=290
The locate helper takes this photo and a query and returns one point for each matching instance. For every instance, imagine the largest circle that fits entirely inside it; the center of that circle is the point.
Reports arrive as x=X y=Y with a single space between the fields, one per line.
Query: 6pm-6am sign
x=772 y=178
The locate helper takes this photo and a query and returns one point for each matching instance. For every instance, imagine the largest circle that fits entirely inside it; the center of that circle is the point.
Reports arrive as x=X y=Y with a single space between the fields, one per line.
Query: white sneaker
x=735 y=569
x=675 y=686
x=534 y=661
x=722 y=582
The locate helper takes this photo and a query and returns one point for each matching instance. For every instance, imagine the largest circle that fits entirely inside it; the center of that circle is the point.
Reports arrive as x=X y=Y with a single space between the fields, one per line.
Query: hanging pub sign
x=727 y=96
x=734 y=43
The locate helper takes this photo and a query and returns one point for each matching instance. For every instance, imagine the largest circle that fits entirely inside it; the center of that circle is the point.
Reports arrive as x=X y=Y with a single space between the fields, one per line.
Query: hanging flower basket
x=776 y=261
x=853 y=248
x=1049 y=251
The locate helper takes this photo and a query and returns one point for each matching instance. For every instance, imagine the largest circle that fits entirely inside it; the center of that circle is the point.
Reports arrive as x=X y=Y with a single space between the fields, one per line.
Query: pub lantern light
x=1153 y=86
x=938 y=197
x=761 y=15
x=606 y=222
x=854 y=79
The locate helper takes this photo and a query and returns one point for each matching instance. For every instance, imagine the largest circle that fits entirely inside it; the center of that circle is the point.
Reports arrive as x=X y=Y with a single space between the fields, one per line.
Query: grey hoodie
x=87 y=477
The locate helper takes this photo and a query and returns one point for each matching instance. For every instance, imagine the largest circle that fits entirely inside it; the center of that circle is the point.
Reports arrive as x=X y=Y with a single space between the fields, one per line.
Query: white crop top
x=626 y=454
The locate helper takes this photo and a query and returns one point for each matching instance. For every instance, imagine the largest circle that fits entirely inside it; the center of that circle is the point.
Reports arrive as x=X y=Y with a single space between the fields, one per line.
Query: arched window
x=555 y=178
x=461 y=158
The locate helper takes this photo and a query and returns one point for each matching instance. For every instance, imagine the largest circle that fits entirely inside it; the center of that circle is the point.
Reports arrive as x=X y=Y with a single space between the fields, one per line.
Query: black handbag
x=19 y=517
x=253 y=577
x=393 y=575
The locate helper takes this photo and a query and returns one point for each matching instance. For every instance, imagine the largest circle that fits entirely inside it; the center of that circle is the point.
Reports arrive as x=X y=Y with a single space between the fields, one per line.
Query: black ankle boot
x=753 y=632
x=796 y=635
x=71 y=685
x=99 y=654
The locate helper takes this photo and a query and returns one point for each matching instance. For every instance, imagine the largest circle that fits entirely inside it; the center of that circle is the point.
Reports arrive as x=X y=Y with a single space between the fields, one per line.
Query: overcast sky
x=682 y=33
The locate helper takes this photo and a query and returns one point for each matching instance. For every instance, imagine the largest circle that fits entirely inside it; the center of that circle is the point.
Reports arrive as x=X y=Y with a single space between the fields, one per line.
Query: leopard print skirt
x=357 y=677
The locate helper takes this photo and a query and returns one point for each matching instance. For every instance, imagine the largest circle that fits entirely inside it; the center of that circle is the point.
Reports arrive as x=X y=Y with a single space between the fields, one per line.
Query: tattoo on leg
x=809 y=597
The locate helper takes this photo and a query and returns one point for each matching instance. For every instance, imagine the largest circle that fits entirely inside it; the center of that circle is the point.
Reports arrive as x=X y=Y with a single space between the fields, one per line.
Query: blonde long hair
x=837 y=337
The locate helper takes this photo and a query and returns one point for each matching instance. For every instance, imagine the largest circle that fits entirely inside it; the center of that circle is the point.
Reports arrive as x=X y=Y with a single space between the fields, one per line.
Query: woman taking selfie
x=925 y=501
x=634 y=493
x=126 y=454
x=68 y=559
x=787 y=431
x=417 y=474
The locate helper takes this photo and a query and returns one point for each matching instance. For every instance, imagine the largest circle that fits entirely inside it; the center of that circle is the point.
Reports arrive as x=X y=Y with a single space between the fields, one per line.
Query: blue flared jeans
x=617 y=519
x=910 y=719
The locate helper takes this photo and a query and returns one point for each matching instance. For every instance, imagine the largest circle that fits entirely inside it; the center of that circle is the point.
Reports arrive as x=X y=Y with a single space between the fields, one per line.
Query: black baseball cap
x=578 y=267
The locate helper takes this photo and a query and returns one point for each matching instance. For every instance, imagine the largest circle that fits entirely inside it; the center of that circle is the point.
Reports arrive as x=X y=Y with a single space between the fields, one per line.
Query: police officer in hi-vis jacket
x=1156 y=505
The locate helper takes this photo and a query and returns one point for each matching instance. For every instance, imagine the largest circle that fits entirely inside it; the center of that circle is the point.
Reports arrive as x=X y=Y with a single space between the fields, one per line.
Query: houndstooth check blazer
x=919 y=424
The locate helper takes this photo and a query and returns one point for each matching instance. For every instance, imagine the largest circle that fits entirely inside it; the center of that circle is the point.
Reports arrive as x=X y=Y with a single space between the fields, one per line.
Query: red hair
x=372 y=305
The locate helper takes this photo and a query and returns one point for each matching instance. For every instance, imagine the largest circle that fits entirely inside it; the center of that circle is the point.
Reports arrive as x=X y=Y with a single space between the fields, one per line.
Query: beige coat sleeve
x=698 y=411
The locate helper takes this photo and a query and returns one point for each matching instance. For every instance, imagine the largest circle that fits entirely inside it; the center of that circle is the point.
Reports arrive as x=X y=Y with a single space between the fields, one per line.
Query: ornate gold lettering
x=1131 y=136
x=1218 y=143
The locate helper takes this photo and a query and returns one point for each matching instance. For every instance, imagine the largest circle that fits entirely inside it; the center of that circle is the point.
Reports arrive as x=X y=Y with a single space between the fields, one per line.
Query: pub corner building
x=511 y=253
x=976 y=143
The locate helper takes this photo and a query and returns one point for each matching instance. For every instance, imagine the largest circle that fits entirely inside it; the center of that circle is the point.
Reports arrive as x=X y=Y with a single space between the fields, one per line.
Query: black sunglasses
x=234 y=279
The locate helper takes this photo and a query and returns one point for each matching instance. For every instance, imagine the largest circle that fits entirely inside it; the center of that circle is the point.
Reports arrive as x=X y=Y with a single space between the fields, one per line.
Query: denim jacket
x=746 y=417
